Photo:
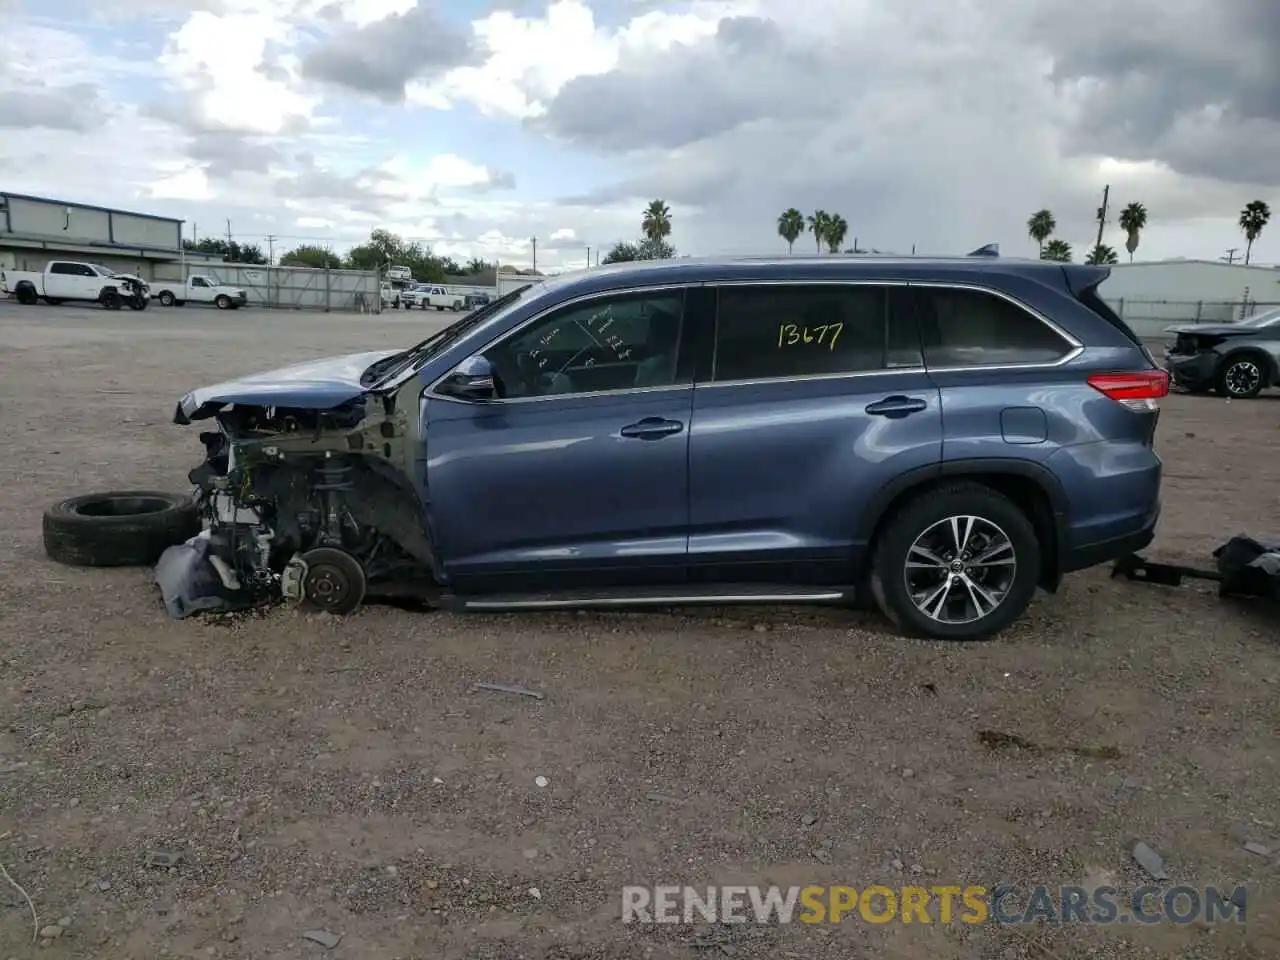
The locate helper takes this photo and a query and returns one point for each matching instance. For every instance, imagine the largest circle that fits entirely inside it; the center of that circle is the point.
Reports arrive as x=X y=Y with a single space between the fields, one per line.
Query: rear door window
x=976 y=328
x=783 y=331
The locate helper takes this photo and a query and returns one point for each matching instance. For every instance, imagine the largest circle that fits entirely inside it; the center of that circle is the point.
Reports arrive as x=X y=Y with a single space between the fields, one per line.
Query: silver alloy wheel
x=1242 y=377
x=960 y=569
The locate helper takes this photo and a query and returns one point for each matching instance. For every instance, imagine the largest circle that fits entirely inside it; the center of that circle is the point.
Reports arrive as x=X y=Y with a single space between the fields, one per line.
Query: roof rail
x=990 y=250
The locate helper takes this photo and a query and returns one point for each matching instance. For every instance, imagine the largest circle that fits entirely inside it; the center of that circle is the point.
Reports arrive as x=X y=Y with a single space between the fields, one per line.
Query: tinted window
x=613 y=343
x=197 y=281
x=64 y=269
x=796 y=331
x=968 y=328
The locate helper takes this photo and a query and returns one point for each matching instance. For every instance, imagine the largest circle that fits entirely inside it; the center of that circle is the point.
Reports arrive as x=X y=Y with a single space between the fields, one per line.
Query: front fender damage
x=309 y=504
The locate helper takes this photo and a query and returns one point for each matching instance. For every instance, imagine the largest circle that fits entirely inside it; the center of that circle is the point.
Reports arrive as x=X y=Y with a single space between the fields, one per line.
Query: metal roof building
x=35 y=230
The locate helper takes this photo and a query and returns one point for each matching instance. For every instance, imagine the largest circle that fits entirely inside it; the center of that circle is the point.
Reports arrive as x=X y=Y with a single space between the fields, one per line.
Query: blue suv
x=944 y=434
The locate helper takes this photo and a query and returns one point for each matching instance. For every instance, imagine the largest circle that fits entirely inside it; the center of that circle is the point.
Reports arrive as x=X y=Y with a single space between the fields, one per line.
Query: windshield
x=397 y=363
x=101 y=270
x=1267 y=318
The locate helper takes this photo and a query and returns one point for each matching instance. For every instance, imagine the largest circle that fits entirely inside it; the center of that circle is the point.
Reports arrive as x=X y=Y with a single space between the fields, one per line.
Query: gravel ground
x=343 y=775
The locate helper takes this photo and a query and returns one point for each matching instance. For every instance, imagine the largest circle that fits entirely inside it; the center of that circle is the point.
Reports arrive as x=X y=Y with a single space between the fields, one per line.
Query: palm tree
x=1041 y=226
x=1056 y=250
x=1255 y=215
x=790 y=226
x=656 y=223
x=1133 y=220
x=818 y=222
x=837 y=227
x=1102 y=254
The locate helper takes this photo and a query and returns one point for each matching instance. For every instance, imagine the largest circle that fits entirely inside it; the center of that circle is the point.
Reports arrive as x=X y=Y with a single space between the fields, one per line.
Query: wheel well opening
x=1026 y=494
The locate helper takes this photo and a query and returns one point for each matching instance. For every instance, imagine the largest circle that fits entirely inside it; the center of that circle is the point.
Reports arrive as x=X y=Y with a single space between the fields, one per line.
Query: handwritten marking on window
x=789 y=334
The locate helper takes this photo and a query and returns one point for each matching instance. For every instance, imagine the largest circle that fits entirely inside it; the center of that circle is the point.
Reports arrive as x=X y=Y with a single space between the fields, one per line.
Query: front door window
x=625 y=342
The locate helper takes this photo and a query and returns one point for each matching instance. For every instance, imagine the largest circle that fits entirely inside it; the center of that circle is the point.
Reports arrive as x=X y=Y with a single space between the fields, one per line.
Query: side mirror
x=471 y=380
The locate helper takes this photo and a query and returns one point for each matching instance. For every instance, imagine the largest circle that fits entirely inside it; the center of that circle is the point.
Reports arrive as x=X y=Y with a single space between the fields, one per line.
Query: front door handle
x=651 y=428
x=896 y=406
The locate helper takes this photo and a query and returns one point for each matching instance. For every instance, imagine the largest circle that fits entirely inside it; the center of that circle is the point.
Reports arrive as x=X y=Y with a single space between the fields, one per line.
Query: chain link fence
x=289 y=288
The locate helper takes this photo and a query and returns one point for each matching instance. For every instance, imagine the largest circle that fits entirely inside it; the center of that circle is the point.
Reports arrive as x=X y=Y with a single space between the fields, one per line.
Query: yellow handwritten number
x=789 y=334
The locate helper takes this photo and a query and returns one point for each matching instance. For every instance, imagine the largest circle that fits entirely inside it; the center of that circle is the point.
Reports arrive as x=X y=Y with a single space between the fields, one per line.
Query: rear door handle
x=896 y=406
x=651 y=428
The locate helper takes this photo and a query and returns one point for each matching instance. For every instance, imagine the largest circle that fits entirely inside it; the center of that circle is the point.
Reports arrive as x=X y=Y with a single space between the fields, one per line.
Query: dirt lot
x=342 y=775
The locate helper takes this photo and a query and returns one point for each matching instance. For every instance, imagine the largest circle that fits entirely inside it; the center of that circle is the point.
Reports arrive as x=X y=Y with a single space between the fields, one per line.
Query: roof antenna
x=990 y=250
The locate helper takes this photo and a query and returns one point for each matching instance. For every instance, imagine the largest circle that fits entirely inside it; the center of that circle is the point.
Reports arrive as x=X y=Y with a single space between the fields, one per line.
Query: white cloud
x=189 y=183
x=219 y=61
x=528 y=60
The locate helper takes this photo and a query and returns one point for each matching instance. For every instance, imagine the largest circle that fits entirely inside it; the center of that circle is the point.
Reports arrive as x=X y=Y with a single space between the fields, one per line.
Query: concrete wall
x=296 y=288
x=1191 y=281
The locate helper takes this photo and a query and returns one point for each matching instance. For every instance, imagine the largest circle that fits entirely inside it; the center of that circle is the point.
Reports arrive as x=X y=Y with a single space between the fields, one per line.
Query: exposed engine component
x=286 y=514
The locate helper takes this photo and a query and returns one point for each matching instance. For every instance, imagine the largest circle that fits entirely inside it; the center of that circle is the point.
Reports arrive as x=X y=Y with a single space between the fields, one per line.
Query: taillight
x=1139 y=391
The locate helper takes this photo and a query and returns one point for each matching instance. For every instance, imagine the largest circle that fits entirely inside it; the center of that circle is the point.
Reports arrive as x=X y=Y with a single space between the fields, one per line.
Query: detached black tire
x=122 y=528
x=930 y=586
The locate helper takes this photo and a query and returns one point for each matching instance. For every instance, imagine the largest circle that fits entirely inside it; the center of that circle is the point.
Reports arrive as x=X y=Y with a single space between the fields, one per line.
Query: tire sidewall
x=167 y=299
x=900 y=533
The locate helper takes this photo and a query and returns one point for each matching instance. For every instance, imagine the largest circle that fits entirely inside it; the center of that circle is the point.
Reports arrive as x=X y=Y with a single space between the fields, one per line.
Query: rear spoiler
x=1084 y=277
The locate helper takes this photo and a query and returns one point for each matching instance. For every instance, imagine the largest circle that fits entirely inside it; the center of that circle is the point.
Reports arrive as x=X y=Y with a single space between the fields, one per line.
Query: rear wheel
x=1241 y=378
x=26 y=295
x=959 y=564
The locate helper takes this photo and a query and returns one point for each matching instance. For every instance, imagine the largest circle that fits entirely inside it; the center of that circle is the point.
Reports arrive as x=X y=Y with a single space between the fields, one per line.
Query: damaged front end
x=310 y=503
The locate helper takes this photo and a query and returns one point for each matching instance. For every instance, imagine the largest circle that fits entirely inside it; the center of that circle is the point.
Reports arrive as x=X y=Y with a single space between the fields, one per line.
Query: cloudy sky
x=473 y=125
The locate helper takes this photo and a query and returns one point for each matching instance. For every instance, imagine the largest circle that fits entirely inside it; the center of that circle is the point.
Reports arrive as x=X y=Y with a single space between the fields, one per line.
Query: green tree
x=1103 y=254
x=1040 y=228
x=386 y=249
x=1255 y=215
x=818 y=222
x=1133 y=220
x=1057 y=250
x=790 y=226
x=651 y=248
x=477 y=265
x=622 y=252
x=309 y=255
x=233 y=252
x=837 y=228
x=656 y=222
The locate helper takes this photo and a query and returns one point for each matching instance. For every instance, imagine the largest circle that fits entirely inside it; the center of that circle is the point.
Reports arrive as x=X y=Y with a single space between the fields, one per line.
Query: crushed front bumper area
x=300 y=505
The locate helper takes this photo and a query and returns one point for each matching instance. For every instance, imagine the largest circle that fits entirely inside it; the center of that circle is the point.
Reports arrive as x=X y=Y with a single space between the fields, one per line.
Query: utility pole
x=1102 y=213
x=228 y=232
x=588 y=258
x=271 y=249
x=534 y=241
x=1231 y=255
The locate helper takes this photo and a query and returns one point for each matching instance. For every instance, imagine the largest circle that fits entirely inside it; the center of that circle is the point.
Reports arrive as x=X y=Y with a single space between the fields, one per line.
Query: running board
x=644 y=597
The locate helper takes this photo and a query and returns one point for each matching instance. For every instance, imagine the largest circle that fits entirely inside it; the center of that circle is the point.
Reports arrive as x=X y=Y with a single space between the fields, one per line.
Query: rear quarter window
x=977 y=328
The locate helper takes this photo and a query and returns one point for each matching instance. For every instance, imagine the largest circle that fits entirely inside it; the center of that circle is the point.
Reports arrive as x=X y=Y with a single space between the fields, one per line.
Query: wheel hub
x=960 y=569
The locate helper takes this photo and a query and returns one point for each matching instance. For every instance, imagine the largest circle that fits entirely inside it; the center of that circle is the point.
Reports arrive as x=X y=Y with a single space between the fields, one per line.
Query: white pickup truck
x=201 y=288
x=424 y=295
x=63 y=280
